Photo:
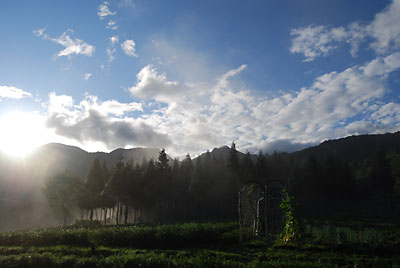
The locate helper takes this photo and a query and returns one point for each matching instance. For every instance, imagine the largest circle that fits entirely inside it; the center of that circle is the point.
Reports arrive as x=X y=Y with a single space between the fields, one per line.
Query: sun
x=21 y=133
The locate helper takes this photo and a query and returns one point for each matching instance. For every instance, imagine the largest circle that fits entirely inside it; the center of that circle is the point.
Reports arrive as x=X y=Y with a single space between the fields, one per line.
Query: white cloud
x=128 y=46
x=10 y=92
x=192 y=117
x=104 y=11
x=110 y=53
x=39 y=32
x=206 y=115
x=114 y=39
x=313 y=113
x=72 y=46
x=385 y=29
x=111 y=107
x=320 y=41
x=112 y=25
x=86 y=76
x=110 y=50
x=223 y=80
x=59 y=103
x=92 y=121
x=316 y=41
x=357 y=34
x=152 y=85
x=64 y=104
x=382 y=66
x=388 y=114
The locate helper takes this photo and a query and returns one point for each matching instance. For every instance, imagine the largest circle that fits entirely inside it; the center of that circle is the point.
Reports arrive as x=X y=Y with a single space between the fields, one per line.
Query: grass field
x=200 y=245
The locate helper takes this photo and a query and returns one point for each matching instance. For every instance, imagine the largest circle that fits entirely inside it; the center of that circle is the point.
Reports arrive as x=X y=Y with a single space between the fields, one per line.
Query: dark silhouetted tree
x=95 y=183
x=247 y=168
x=233 y=161
x=62 y=191
x=261 y=172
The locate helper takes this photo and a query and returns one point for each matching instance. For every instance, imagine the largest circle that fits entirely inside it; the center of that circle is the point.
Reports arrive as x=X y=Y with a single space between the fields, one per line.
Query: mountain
x=353 y=147
x=52 y=158
x=223 y=153
x=22 y=181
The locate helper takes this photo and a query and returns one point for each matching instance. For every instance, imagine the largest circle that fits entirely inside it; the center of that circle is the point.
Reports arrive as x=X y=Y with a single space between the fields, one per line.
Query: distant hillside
x=223 y=153
x=353 y=147
x=54 y=157
x=22 y=181
x=349 y=148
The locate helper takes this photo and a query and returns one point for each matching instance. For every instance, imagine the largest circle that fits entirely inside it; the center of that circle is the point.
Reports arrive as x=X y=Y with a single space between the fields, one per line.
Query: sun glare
x=21 y=133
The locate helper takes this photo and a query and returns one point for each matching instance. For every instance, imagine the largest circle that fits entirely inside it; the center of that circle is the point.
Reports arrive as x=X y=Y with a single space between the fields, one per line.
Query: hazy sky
x=193 y=75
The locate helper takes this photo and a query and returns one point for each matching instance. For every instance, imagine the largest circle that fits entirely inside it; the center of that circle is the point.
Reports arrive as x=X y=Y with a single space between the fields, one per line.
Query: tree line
x=207 y=188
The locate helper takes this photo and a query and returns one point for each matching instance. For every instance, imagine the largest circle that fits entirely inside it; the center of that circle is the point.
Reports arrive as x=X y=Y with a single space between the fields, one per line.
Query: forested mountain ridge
x=56 y=157
x=353 y=168
x=223 y=153
x=354 y=147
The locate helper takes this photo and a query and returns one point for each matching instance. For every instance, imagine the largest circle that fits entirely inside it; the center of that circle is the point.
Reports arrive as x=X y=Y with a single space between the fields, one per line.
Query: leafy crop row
x=162 y=236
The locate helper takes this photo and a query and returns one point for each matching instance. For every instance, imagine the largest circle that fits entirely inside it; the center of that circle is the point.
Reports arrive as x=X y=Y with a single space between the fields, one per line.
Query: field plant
x=366 y=236
x=182 y=245
x=161 y=236
x=291 y=229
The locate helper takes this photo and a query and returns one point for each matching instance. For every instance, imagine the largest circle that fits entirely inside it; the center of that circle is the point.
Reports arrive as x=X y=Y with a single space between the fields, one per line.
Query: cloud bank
x=185 y=117
x=321 y=40
x=94 y=121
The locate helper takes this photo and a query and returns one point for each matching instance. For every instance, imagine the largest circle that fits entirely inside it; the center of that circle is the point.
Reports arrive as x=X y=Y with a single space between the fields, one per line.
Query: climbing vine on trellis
x=291 y=230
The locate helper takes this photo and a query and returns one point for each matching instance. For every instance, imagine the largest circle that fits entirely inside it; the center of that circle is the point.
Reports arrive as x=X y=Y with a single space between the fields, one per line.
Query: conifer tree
x=162 y=163
x=95 y=179
x=62 y=191
x=95 y=185
x=233 y=163
x=262 y=172
x=247 y=168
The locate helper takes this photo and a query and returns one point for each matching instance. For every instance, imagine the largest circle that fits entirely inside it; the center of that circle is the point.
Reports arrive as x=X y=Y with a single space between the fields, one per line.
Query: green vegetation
x=201 y=245
x=355 y=234
x=291 y=230
x=161 y=236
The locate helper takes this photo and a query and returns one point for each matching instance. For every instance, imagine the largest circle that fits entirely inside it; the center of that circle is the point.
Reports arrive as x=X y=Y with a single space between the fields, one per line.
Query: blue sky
x=193 y=75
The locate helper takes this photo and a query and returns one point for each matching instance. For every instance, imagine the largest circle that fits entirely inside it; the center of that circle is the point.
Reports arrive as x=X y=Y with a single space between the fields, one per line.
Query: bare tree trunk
x=126 y=214
x=91 y=214
x=117 y=217
x=121 y=213
x=105 y=216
